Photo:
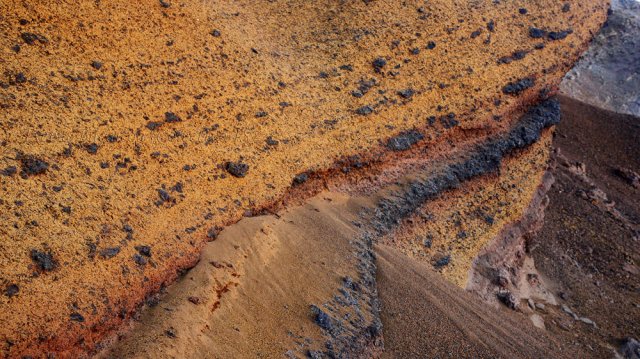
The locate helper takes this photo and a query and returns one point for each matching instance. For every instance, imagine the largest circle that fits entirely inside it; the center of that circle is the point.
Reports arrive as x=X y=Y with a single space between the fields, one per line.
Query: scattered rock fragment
x=76 y=317
x=237 y=169
x=558 y=35
x=271 y=141
x=195 y=300
x=110 y=252
x=300 y=178
x=44 y=260
x=406 y=93
x=517 y=87
x=9 y=171
x=144 y=250
x=171 y=117
x=536 y=33
x=507 y=298
x=171 y=332
x=11 y=290
x=364 y=110
x=449 y=121
x=32 y=166
x=31 y=38
x=321 y=318
x=404 y=140
x=443 y=261
x=96 y=65
x=212 y=233
x=139 y=260
x=378 y=64
x=92 y=148
x=153 y=125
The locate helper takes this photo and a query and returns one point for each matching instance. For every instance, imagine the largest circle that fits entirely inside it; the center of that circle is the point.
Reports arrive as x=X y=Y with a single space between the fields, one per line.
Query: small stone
x=96 y=65
x=507 y=298
x=32 y=166
x=321 y=318
x=587 y=321
x=171 y=332
x=517 y=87
x=237 y=169
x=20 y=78
x=9 y=171
x=271 y=142
x=76 y=317
x=140 y=260
x=171 y=117
x=11 y=290
x=194 y=300
x=379 y=63
x=144 y=250
x=153 y=125
x=537 y=321
x=442 y=261
x=364 y=110
x=212 y=233
x=558 y=35
x=30 y=38
x=531 y=303
x=406 y=93
x=536 y=33
x=215 y=33
x=44 y=260
x=109 y=252
x=300 y=179
x=92 y=148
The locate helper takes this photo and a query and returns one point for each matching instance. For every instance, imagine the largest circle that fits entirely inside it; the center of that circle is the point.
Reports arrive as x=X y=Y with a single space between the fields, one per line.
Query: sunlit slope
x=131 y=130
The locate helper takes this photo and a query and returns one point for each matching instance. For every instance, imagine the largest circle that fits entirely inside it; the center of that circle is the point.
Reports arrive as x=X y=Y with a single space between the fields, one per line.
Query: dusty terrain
x=133 y=134
x=260 y=281
x=589 y=246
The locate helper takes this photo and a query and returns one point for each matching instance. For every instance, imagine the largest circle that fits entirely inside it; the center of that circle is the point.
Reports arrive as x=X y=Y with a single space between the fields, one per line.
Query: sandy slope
x=423 y=315
x=131 y=131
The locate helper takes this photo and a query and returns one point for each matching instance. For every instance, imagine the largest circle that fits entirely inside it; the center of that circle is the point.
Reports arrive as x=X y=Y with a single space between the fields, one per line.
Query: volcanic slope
x=303 y=283
x=133 y=131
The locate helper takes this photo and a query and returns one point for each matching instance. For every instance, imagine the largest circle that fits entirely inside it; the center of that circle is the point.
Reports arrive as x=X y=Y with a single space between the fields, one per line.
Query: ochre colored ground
x=118 y=119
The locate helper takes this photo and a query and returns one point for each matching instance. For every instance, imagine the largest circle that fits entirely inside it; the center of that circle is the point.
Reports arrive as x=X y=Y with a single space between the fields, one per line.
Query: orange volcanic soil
x=133 y=131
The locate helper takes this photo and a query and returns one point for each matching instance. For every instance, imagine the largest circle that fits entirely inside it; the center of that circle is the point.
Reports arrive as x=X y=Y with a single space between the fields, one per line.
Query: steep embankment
x=133 y=131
